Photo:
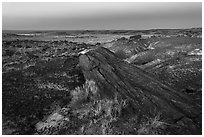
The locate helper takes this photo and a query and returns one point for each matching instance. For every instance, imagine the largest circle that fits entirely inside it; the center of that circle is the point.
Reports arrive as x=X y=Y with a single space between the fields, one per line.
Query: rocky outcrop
x=145 y=93
x=125 y=48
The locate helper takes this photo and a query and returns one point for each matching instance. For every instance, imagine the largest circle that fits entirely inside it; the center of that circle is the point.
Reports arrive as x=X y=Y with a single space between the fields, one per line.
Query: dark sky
x=76 y=16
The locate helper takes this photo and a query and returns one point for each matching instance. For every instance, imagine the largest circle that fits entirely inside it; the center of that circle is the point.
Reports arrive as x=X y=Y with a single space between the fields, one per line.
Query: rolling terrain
x=102 y=82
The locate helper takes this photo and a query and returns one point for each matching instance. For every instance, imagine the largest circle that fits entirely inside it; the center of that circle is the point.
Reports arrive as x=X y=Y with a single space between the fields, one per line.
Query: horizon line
x=98 y=29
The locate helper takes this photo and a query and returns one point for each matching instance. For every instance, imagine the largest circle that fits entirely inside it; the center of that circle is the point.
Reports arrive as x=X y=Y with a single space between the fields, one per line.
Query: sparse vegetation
x=95 y=116
x=44 y=91
x=153 y=126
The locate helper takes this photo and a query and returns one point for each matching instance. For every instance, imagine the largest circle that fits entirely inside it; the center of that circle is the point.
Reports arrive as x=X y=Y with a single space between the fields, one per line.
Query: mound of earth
x=124 y=47
x=177 y=61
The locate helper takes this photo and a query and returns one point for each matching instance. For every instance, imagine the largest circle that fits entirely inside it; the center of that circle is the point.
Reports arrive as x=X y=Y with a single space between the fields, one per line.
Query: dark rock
x=136 y=37
x=10 y=52
x=146 y=93
x=123 y=38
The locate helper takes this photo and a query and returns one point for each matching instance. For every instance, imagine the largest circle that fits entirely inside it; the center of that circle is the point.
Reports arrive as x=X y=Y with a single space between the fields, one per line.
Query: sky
x=100 y=16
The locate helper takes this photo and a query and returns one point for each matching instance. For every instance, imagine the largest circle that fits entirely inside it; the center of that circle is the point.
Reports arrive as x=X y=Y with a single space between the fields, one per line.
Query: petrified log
x=146 y=93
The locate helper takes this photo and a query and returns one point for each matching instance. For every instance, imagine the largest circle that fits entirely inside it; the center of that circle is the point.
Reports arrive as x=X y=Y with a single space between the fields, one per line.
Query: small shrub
x=88 y=90
x=153 y=126
x=99 y=112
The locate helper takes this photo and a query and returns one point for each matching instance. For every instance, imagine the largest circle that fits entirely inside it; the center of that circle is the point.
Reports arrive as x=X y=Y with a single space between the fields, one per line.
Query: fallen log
x=146 y=93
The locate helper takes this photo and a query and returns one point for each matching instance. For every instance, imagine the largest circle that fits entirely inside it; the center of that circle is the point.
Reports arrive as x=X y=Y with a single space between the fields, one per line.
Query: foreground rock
x=145 y=93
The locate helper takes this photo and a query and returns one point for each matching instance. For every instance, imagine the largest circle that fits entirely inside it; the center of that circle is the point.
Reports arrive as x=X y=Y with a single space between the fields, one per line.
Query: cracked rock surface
x=145 y=92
